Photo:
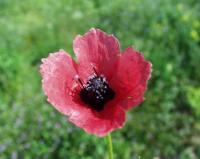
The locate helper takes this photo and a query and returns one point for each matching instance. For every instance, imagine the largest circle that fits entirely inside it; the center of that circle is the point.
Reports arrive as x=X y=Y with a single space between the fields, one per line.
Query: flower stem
x=110 y=147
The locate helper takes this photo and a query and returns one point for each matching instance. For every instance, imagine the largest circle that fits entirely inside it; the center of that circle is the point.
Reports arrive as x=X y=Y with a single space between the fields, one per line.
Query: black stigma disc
x=96 y=93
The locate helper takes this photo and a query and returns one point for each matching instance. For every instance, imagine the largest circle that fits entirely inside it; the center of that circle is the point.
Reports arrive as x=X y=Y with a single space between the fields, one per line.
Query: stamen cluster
x=96 y=92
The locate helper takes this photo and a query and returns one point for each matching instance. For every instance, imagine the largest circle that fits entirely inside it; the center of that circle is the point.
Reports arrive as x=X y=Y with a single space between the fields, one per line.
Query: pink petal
x=58 y=71
x=98 y=50
x=130 y=81
x=98 y=124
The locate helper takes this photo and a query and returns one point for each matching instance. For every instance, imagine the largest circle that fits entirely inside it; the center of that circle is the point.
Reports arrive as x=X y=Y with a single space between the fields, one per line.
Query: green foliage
x=193 y=95
x=165 y=126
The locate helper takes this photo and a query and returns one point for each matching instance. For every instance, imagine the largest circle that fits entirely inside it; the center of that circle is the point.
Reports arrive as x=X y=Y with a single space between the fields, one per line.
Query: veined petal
x=96 y=50
x=99 y=124
x=58 y=71
x=130 y=81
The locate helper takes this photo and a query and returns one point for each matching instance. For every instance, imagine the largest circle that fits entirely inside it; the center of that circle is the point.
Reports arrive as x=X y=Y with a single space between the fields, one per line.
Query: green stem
x=110 y=147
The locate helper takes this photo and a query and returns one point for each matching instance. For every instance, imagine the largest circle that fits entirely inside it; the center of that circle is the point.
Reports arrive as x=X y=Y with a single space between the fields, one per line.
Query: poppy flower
x=97 y=89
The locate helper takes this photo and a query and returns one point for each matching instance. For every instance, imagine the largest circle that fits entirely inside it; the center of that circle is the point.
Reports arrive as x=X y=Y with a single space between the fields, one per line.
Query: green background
x=165 y=126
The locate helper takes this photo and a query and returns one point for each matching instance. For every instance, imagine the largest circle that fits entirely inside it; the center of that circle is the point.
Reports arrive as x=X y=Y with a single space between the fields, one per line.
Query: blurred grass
x=166 y=125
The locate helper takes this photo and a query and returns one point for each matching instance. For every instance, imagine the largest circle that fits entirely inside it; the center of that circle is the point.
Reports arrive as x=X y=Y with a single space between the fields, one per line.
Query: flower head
x=96 y=91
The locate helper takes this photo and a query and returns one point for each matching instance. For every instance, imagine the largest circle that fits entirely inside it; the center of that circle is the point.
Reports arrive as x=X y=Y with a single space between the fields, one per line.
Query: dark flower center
x=96 y=92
